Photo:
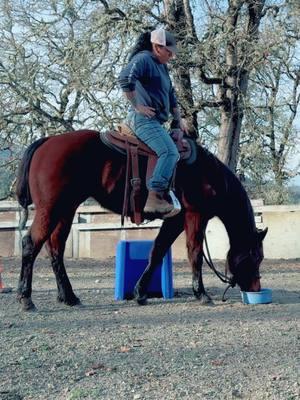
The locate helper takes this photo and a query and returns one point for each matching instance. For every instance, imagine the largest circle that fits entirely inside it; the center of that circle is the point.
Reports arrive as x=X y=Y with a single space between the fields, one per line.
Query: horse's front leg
x=197 y=280
x=169 y=231
x=194 y=228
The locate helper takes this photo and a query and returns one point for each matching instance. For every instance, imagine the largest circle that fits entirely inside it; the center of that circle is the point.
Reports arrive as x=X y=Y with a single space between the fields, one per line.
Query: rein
x=223 y=277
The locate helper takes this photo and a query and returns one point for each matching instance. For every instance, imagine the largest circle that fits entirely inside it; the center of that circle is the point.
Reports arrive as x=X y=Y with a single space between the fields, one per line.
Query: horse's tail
x=23 y=218
x=22 y=186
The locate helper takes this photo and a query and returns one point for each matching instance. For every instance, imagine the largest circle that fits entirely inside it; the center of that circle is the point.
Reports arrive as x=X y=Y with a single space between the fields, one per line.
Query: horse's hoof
x=74 y=301
x=27 y=304
x=204 y=299
x=141 y=299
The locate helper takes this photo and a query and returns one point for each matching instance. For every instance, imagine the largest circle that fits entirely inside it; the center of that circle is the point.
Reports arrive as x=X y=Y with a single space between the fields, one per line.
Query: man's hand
x=179 y=122
x=183 y=126
x=145 y=110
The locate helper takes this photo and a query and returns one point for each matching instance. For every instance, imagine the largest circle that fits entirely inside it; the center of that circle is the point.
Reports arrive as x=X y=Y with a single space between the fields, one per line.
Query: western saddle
x=124 y=141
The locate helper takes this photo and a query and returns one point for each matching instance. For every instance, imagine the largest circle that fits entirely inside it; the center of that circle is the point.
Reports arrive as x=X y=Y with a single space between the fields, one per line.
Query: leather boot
x=157 y=204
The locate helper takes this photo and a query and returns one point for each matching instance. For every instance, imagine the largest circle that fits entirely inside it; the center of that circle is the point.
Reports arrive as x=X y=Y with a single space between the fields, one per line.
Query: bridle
x=253 y=255
x=223 y=277
x=254 y=258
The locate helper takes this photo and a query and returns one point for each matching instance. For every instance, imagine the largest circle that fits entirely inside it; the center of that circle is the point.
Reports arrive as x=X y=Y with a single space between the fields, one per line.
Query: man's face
x=163 y=54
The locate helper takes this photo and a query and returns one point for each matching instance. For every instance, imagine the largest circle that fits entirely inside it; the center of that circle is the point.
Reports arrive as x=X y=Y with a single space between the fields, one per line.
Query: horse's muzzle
x=255 y=286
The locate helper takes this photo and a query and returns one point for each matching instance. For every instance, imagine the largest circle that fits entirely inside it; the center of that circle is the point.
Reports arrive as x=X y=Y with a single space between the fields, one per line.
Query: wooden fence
x=95 y=232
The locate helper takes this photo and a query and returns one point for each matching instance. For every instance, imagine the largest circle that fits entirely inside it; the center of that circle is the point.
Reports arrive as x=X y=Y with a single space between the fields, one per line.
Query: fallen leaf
x=111 y=369
x=98 y=366
x=91 y=372
x=124 y=349
x=217 y=362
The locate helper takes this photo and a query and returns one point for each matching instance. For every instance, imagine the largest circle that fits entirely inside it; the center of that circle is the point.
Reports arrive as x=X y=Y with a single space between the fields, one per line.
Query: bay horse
x=60 y=172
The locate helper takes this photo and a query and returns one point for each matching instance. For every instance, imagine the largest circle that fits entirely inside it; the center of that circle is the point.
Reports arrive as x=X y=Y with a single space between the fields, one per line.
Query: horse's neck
x=231 y=203
x=238 y=219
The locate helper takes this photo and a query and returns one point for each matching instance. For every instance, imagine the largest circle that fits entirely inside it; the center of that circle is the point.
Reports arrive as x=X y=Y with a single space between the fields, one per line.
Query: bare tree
x=239 y=55
x=230 y=50
x=179 y=18
x=59 y=62
x=270 y=138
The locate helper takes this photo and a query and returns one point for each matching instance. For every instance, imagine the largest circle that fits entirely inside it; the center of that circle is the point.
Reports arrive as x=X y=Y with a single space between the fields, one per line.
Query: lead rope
x=224 y=278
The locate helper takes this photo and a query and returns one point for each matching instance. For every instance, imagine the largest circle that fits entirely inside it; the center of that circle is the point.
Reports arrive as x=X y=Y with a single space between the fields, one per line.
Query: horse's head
x=244 y=264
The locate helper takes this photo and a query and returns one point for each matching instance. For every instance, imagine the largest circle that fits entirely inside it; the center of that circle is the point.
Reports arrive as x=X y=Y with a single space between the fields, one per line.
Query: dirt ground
x=169 y=349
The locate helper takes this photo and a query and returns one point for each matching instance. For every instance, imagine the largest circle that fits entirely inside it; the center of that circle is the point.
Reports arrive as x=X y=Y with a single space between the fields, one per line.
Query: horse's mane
x=220 y=175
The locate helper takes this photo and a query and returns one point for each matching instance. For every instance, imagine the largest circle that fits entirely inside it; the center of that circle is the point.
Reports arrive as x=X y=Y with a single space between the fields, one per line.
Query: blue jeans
x=150 y=131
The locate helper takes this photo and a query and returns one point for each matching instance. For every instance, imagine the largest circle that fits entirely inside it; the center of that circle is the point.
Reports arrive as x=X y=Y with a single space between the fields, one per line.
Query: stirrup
x=176 y=206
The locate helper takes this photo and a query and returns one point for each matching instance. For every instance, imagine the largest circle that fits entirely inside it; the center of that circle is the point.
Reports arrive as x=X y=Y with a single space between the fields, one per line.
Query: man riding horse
x=146 y=83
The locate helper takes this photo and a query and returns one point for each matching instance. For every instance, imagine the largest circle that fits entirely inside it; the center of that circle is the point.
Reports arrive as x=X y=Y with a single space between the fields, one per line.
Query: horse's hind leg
x=29 y=253
x=169 y=231
x=31 y=246
x=194 y=228
x=55 y=246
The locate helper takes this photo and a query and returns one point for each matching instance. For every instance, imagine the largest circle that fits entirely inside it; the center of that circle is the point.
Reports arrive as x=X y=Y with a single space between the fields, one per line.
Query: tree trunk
x=236 y=81
x=231 y=120
x=180 y=20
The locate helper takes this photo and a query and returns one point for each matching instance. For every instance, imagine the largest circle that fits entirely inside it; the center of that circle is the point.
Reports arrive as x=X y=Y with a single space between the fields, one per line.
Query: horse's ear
x=261 y=234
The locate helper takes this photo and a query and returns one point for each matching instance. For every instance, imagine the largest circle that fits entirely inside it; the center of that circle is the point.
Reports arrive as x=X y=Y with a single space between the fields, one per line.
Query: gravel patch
x=170 y=349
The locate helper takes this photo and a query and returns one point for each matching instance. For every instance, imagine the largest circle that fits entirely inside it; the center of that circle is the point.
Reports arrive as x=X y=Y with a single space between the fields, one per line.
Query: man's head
x=163 y=44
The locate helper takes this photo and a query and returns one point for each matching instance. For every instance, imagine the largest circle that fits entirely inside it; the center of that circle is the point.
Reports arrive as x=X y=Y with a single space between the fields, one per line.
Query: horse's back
x=69 y=142
x=66 y=163
x=71 y=145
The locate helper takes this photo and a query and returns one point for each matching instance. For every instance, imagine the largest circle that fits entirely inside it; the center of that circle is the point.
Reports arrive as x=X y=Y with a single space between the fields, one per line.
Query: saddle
x=125 y=141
